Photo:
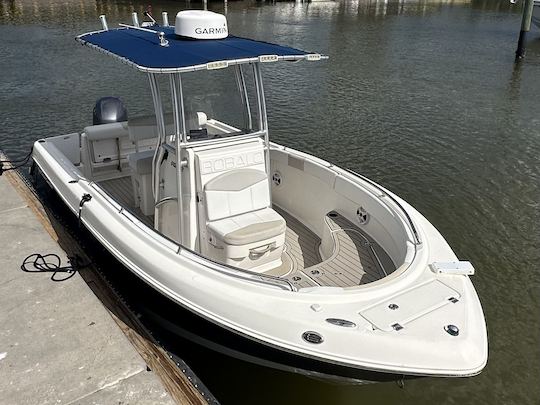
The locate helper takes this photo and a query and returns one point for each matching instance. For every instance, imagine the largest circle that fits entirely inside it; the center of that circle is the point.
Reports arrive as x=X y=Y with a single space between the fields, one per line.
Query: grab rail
x=165 y=200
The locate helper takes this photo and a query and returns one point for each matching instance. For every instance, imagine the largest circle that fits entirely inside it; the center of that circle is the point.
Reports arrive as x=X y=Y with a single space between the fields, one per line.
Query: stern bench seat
x=104 y=148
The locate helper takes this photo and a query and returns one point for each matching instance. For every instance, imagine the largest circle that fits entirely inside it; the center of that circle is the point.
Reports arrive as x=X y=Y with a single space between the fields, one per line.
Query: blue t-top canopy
x=144 y=50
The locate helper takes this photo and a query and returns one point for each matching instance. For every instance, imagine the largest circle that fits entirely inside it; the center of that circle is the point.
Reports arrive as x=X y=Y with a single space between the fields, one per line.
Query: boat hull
x=187 y=325
x=223 y=301
x=174 y=325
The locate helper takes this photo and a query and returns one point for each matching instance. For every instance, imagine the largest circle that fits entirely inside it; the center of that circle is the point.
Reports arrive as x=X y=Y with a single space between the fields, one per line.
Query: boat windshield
x=220 y=103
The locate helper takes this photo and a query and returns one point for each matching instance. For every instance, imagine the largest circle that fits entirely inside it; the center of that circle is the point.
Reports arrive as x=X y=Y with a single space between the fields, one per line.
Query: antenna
x=148 y=14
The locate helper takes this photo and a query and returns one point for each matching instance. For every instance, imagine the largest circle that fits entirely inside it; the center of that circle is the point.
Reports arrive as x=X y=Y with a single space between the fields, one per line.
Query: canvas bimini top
x=159 y=49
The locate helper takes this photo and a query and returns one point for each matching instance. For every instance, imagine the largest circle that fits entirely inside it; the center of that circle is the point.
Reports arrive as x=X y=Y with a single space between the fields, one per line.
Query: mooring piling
x=525 y=28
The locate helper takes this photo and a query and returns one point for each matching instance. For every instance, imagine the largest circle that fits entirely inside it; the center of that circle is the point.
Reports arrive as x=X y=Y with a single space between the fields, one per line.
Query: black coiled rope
x=51 y=263
x=15 y=164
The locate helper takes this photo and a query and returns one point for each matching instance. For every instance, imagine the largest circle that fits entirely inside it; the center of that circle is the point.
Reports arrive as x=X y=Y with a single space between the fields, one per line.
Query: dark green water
x=422 y=97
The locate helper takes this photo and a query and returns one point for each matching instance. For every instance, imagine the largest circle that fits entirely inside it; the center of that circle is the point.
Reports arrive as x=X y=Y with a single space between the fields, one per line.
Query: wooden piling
x=525 y=28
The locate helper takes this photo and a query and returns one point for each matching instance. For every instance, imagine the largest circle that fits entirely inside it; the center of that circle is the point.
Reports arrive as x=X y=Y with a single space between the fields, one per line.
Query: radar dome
x=200 y=24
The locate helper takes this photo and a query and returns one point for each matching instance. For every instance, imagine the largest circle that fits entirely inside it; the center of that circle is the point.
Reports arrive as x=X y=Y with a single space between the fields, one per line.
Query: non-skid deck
x=356 y=259
x=301 y=247
x=121 y=190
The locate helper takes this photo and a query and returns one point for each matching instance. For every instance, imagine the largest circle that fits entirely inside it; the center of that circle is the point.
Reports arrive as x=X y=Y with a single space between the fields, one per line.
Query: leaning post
x=525 y=28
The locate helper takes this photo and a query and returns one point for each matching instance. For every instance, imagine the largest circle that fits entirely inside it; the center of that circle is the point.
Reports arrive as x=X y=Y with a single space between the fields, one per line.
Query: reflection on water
x=43 y=11
x=69 y=12
x=421 y=96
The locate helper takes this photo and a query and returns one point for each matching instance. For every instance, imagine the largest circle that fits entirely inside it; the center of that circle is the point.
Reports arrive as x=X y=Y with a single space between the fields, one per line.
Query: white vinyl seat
x=249 y=227
x=103 y=147
x=242 y=230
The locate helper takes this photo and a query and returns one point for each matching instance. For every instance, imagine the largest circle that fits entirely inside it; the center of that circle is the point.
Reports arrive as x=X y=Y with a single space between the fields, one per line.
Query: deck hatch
x=411 y=305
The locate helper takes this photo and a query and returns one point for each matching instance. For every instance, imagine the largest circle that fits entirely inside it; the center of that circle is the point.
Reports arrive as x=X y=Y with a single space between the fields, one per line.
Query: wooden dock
x=73 y=341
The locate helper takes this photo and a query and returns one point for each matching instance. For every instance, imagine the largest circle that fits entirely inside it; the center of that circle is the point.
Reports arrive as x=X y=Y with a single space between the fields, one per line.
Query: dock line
x=51 y=263
x=15 y=164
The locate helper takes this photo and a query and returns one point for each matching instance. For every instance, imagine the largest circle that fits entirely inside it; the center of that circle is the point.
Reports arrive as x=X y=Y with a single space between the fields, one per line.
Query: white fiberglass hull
x=277 y=318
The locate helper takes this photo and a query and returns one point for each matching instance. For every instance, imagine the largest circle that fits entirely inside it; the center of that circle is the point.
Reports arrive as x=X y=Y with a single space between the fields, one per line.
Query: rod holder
x=165 y=18
x=135 y=19
x=103 y=20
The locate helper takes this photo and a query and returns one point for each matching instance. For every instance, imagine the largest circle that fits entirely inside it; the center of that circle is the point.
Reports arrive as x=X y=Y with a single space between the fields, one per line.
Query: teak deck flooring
x=357 y=258
x=121 y=190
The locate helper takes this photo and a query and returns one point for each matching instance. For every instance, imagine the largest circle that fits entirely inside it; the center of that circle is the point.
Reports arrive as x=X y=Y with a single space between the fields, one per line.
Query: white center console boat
x=271 y=244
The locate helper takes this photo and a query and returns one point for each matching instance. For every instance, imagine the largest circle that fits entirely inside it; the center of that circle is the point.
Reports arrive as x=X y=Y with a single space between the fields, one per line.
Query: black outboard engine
x=109 y=109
